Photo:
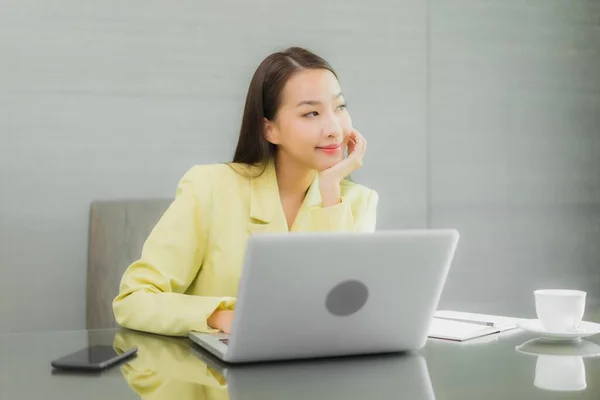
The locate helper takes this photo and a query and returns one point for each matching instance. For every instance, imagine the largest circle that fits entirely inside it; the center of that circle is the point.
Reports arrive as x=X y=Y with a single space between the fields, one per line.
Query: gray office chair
x=117 y=231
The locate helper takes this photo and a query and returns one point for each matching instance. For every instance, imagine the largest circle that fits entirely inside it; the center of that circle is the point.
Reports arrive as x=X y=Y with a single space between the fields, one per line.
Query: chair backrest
x=117 y=232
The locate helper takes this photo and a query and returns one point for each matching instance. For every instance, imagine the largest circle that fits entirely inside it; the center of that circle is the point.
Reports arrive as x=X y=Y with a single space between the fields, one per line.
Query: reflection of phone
x=94 y=358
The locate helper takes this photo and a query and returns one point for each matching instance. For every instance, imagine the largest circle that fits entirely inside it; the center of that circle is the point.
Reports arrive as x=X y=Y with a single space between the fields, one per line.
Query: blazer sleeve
x=151 y=294
x=354 y=213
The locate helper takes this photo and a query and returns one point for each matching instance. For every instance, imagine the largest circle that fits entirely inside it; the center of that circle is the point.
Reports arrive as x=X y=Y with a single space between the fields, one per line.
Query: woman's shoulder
x=218 y=176
x=214 y=183
x=217 y=172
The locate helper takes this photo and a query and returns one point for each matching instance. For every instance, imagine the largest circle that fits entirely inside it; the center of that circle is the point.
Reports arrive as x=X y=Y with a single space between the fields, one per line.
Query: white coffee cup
x=560 y=310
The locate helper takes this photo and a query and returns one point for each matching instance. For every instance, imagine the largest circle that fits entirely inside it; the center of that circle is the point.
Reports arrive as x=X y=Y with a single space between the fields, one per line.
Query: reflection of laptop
x=307 y=295
x=389 y=376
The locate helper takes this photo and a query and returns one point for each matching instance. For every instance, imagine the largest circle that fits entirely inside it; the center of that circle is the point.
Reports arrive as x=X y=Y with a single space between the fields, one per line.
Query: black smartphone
x=93 y=358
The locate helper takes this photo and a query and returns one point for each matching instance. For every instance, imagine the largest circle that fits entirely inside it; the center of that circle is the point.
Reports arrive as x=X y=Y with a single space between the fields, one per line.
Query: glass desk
x=512 y=365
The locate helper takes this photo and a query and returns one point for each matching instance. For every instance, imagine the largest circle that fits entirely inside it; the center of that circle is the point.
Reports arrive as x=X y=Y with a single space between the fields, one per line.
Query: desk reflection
x=166 y=369
x=174 y=368
x=559 y=366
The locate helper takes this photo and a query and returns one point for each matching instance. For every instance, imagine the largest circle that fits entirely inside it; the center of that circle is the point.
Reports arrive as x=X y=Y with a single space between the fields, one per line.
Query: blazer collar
x=265 y=203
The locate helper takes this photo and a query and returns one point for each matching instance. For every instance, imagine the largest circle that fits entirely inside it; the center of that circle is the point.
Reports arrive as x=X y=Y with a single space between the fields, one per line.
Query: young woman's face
x=312 y=125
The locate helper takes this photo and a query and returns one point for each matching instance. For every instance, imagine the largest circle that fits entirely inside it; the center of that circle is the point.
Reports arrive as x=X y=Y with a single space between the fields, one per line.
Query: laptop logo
x=347 y=298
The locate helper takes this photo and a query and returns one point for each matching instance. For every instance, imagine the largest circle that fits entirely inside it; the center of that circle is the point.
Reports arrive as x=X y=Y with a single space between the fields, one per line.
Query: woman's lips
x=331 y=149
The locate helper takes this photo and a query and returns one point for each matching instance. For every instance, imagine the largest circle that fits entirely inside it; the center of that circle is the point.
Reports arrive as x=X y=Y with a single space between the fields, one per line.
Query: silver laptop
x=312 y=295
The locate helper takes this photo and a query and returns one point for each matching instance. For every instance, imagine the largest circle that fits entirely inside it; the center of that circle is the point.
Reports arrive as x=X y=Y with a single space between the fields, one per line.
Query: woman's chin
x=322 y=166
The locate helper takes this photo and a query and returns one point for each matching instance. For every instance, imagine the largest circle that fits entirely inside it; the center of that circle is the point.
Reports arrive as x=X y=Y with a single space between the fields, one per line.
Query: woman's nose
x=333 y=128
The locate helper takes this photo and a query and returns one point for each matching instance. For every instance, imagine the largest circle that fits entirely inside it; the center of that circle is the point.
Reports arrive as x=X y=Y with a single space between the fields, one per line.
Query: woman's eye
x=341 y=107
x=311 y=114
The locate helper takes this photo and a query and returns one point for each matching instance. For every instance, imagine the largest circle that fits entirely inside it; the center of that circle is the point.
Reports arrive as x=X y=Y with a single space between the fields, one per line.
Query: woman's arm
x=358 y=211
x=151 y=295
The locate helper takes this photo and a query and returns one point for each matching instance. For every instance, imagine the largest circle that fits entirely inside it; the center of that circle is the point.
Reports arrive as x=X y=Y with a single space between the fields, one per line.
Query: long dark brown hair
x=264 y=98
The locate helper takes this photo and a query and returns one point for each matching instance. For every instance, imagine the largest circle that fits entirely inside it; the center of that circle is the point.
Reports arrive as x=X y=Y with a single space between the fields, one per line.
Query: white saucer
x=535 y=326
x=541 y=347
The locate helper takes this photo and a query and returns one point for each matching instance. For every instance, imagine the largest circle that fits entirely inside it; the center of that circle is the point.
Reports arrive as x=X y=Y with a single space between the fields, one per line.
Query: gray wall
x=480 y=115
x=514 y=151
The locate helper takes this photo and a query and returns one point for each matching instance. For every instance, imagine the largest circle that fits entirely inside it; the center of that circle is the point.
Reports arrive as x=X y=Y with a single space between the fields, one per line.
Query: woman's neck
x=293 y=179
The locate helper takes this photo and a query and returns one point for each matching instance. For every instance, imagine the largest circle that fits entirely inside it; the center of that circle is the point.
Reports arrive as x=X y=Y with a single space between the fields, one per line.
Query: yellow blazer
x=191 y=262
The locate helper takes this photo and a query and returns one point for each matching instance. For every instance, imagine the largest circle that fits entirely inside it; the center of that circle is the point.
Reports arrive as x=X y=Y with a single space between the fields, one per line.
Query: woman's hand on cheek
x=330 y=179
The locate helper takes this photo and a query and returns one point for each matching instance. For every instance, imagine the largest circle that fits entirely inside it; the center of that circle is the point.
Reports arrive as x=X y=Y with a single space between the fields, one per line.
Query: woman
x=288 y=174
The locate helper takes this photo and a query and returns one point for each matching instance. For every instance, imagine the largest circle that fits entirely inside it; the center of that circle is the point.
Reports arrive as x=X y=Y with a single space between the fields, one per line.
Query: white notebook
x=461 y=326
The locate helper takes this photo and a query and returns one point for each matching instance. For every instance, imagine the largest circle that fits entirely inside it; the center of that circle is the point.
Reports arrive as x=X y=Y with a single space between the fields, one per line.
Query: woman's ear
x=271 y=132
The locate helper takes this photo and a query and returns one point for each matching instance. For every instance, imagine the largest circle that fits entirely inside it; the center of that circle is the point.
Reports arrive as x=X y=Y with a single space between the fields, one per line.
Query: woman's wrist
x=330 y=192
